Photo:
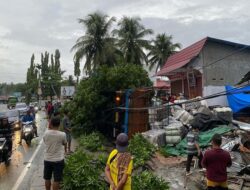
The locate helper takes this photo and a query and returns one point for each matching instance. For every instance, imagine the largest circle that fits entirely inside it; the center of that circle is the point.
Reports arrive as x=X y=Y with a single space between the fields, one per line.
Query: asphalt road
x=22 y=156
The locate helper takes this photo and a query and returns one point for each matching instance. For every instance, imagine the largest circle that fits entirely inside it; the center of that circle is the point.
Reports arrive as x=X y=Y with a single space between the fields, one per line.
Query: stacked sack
x=156 y=137
x=224 y=114
x=174 y=132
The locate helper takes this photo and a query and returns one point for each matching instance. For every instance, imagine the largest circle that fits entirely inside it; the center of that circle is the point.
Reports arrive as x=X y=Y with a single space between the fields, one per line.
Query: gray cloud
x=30 y=26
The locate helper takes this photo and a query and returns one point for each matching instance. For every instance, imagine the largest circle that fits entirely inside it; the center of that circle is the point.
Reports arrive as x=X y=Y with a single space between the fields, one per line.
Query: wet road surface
x=21 y=155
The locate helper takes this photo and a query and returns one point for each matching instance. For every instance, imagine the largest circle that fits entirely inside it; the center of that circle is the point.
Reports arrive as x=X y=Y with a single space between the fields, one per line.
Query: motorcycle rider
x=5 y=131
x=28 y=118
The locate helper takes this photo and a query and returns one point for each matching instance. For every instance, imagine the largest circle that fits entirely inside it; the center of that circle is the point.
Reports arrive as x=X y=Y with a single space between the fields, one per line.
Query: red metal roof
x=182 y=57
x=161 y=84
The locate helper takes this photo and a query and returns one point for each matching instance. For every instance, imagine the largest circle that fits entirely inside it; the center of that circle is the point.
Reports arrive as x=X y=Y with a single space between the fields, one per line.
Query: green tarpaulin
x=204 y=140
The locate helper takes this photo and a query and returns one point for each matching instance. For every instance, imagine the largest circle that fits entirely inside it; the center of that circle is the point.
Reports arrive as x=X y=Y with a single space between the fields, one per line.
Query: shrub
x=92 y=105
x=82 y=172
x=141 y=149
x=147 y=180
x=92 y=142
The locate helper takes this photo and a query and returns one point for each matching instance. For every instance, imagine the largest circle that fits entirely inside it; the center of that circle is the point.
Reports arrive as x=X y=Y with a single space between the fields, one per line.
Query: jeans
x=189 y=160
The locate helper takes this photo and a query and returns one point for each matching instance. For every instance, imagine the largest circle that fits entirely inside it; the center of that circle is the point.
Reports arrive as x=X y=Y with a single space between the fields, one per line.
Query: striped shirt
x=192 y=139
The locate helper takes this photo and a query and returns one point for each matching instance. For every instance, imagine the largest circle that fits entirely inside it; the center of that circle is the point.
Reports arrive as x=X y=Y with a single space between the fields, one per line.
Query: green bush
x=148 y=181
x=92 y=105
x=92 y=142
x=82 y=172
x=141 y=149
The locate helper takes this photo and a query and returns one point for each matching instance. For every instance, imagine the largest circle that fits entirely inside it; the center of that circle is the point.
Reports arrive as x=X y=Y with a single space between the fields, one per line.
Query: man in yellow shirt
x=119 y=165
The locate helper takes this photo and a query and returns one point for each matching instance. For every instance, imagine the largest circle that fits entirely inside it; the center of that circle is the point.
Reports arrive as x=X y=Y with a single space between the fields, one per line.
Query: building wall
x=228 y=71
x=211 y=90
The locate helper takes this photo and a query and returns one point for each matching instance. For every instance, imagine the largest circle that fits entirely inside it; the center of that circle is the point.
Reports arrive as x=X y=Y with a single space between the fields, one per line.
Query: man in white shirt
x=55 y=145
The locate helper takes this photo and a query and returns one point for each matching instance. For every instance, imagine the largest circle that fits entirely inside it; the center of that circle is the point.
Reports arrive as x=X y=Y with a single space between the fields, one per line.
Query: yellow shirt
x=216 y=184
x=114 y=170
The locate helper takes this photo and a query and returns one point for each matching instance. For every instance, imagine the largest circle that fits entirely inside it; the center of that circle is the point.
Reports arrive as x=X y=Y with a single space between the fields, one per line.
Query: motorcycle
x=5 y=153
x=28 y=132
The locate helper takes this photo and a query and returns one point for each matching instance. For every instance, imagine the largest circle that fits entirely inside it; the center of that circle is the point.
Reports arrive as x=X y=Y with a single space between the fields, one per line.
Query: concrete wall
x=211 y=90
x=228 y=71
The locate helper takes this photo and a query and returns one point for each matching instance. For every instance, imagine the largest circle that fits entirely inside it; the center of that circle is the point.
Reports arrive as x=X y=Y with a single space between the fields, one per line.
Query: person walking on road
x=55 y=145
x=193 y=148
x=216 y=162
x=67 y=129
x=119 y=165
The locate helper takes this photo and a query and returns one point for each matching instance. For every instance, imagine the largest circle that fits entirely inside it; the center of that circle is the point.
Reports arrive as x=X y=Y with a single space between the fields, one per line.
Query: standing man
x=193 y=148
x=55 y=144
x=67 y=129
x=216 y=162
x=120 y=165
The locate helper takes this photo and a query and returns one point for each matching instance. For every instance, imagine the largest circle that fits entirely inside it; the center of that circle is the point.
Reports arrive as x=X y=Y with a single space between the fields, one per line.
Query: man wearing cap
x=119 y=165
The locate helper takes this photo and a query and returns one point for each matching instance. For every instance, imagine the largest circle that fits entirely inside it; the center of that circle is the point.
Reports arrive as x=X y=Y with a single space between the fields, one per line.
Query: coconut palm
x=131 y=40
x=96 y=46
x=160 y=50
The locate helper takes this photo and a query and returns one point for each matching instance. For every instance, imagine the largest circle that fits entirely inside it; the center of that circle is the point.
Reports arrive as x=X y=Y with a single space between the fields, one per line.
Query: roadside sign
x=17 y=94
x=67 y=91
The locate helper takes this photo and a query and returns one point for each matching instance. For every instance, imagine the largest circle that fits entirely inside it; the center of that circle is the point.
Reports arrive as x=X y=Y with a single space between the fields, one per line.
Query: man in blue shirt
x=28 y=118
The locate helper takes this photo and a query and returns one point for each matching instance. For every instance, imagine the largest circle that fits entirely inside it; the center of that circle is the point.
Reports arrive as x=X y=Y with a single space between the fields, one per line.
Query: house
x=205 y=67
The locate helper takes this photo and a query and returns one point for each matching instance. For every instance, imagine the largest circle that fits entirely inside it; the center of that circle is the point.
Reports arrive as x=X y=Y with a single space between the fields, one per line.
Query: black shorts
x=53 y=167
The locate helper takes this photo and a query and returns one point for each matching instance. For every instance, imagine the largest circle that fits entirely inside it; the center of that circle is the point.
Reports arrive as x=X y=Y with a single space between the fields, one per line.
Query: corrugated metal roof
x=161 y=84
x=184 y=56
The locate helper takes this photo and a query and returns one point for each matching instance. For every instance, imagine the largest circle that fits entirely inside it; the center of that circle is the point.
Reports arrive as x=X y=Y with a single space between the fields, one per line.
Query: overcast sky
x=33 y=26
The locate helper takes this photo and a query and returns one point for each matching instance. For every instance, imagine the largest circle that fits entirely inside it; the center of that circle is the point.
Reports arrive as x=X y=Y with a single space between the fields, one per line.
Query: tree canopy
x=161 y=48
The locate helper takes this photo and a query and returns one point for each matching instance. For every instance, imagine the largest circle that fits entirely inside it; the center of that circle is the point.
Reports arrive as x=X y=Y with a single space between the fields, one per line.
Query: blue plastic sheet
x=237 y=98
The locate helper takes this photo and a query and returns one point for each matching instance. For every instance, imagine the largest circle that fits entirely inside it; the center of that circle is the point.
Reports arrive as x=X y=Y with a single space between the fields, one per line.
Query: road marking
x=26 y=169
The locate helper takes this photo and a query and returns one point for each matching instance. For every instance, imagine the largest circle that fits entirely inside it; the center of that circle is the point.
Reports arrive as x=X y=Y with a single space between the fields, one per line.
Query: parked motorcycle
x=5 y=140
x=28 y=132
x=5 y=153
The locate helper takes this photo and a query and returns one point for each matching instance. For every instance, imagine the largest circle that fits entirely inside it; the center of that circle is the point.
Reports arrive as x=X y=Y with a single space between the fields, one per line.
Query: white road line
x=26 y=169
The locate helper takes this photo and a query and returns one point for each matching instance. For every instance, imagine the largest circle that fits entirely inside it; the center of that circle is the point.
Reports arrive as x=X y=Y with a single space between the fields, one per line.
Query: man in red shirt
x=216 y=162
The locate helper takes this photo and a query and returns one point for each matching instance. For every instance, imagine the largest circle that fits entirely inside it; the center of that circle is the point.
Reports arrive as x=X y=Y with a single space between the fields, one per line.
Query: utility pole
x=39 y=90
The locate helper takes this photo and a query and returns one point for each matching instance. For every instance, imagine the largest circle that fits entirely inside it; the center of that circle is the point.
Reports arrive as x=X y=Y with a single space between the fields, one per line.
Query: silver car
x=22 y=108
x=14 y=118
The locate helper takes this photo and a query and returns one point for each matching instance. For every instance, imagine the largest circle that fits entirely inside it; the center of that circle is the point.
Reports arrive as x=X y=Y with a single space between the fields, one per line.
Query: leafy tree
x=31 y=79
x=51 y=74
x=96 y=46
x=131 y=40
x=9 y=89
x=77 y=70
x=160 y=50
x=95 y=95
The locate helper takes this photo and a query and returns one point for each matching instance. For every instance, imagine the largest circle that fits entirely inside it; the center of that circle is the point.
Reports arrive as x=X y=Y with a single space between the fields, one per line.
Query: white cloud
x=30 y=26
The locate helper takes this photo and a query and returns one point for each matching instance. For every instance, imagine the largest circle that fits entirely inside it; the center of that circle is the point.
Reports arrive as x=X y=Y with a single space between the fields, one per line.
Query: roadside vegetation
x=141 y=149
x=84 y=169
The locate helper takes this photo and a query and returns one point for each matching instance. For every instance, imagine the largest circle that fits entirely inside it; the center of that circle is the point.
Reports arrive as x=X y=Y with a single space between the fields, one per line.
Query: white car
x=22 y=108
x=13 y=118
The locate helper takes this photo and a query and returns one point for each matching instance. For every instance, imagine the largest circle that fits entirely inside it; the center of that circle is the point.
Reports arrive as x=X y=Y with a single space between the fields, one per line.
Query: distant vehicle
x=22 y=108
x=14 y=119
x=35 y=106
x=12 y=100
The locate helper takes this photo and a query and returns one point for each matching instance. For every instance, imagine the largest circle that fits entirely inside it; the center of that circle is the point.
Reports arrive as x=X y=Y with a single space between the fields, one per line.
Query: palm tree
x=161 y=49
x=96 y=46
x=131 y=40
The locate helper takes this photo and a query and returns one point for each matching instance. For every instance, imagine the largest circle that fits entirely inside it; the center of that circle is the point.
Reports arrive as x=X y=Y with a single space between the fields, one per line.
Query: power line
x=223 y=93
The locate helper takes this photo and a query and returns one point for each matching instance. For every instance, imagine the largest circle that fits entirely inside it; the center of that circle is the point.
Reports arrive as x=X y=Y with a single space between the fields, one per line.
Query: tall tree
x=77 y=70
x=96 y=46
x=131 y=39
x=31 y=79
x=162 y=47
x=52 y=62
